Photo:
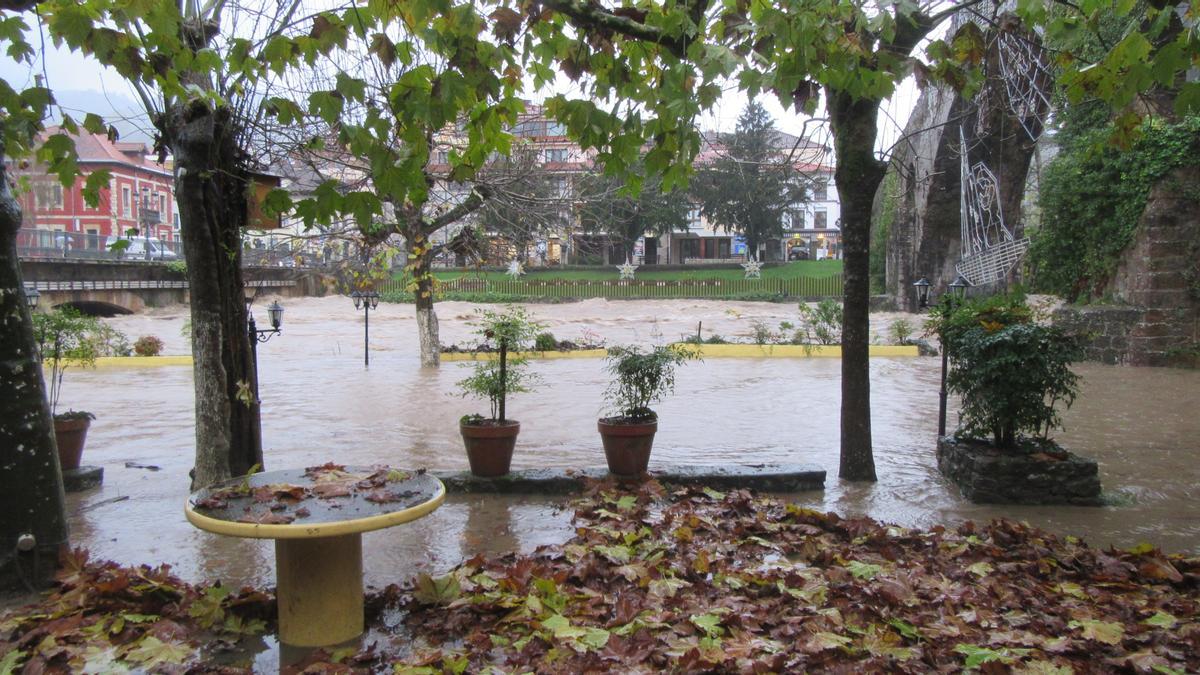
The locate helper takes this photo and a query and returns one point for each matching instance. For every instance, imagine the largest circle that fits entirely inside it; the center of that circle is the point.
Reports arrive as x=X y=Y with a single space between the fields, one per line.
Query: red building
x=140 y=195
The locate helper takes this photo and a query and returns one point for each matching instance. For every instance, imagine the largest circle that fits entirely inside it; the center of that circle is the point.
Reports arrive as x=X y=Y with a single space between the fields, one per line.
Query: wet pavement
x=321 y=405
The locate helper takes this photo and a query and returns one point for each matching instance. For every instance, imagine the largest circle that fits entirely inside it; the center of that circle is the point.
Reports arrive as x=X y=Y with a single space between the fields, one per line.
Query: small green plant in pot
x=640 y=378
x=490 y=440
x=65 y=338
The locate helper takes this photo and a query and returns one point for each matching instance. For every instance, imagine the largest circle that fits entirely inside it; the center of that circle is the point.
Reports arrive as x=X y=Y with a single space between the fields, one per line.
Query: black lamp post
x=31 y=297
x=366 y=301
x=958 y=288
x=257 y=335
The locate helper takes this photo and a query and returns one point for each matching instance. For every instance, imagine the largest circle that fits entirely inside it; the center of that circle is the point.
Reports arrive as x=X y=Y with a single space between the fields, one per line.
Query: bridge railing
x=33 y=243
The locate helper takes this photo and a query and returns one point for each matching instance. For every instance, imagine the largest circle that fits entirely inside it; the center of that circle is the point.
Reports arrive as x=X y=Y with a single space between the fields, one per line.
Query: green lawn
x=793 y=270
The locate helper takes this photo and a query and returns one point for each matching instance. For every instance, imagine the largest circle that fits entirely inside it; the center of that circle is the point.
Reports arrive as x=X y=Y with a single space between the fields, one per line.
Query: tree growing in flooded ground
x=419 y=104
x=199 y=70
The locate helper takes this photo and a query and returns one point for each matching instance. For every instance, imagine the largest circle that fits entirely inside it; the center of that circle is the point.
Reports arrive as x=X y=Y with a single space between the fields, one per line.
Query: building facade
x=139 y=198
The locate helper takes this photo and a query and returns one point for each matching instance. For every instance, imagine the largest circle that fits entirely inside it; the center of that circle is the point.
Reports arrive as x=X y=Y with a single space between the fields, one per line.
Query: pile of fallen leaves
x=699 y=580
x=105 y=618
x=691 y=581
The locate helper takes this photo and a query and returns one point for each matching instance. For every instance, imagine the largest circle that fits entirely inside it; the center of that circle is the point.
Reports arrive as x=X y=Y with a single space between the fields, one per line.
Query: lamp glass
x=357 y=298
x=959 y=286
x=922 y=286
x=275 y=311
x=374 y=298
x=31 y=296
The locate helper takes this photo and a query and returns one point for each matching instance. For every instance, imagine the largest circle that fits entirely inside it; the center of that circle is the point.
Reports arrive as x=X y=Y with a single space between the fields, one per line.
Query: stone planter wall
x=988 y=476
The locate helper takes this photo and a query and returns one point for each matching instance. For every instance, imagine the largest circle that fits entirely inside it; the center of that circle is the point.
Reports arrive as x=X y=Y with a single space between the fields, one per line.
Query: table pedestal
x=320 y=592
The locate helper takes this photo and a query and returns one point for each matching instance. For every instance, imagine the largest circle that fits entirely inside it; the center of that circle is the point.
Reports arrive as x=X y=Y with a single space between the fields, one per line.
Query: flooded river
x=320 y=405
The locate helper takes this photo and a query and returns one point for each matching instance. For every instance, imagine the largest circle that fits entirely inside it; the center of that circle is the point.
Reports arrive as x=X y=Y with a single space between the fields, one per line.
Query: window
x=820 y=220
x=556 y=155
x=694 y=221
x=796 y=218
x=126 y=202
x=48 y=195
x=562 y=187
x=441 y=157
x=820 y=191
x=689 y=248
x=162 y=204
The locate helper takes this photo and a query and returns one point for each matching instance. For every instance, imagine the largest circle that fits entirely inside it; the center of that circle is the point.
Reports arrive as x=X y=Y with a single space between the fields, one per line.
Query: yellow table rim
x=302 y=531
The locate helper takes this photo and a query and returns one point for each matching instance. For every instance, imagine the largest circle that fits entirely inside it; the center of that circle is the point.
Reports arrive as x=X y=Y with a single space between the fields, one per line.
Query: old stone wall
x=1155 y=318
x=989 y=476
x=1106 y=329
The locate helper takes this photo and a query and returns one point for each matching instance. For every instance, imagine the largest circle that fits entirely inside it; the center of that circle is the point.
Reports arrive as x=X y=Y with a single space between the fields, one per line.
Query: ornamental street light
x=257 y=335
x=958 y=289
x=922 y=286
x=31 y=297
x=366 y=301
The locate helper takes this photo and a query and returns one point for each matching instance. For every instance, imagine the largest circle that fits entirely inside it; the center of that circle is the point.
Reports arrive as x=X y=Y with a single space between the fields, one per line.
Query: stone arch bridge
x=111 y=287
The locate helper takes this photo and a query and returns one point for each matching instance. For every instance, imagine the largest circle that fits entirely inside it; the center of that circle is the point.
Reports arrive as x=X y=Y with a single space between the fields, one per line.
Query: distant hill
x=119 y=110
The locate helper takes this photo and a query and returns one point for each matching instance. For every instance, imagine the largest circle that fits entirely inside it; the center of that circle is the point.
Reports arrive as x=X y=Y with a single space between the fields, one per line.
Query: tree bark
x=857 y=176
x=210 y=187
x=31 y=491
x=427 y=322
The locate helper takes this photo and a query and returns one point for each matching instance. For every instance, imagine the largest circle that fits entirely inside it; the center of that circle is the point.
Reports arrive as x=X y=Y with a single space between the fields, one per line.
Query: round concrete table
x=316 y=517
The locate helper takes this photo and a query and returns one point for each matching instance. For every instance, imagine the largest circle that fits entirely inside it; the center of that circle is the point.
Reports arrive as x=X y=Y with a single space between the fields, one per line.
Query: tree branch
x=590 y=15
x=478 y=195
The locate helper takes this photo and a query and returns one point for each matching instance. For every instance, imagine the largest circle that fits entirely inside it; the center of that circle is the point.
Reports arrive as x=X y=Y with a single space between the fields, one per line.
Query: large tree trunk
x=857 y=176
x=210 y=187
x=427 y=322
x=31 y=492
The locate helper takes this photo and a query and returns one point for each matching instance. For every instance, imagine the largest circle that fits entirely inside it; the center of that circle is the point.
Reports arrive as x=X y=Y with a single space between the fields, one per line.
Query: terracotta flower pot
x=490 y=446
x=627 y=446
x=70 y=435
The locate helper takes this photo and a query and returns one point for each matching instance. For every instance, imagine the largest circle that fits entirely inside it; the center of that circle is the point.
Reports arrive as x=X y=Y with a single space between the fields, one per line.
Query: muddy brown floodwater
x=321 y=405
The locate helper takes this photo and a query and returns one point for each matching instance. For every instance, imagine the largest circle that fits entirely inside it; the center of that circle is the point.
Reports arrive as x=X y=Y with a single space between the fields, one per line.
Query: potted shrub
x=1013 y=374
x=640 y=378
x=490 y=440
x=65 y=337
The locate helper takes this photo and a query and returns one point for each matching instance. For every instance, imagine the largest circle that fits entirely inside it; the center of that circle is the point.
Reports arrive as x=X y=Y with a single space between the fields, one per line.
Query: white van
x=136 y=250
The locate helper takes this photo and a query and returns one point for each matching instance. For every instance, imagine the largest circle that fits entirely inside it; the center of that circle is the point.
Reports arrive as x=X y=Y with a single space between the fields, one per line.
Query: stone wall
x=989 y=476
x=1105 y=330
x=1155 y=319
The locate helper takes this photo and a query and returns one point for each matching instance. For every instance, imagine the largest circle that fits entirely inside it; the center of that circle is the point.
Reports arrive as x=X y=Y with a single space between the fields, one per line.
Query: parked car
x=136 y=250
x=798 y=253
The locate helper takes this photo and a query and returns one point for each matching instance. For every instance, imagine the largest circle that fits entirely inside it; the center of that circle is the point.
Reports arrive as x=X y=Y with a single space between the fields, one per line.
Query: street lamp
x=922 y=286
x=366 y=301
x=958 y=289
x=257 y=335
x=31 y=297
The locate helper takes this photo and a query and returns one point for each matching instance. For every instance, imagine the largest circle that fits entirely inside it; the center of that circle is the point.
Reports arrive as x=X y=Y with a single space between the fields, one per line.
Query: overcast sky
x=85 y=85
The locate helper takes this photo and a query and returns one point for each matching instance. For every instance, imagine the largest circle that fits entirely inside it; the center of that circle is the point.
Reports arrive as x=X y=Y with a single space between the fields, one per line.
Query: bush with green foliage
x=545 y=342
x=148 y=345
x=65 y=337
x=109 y=341
x=823 y=323
x=642 y=377
x=901 y=330
x=494 y=380
x=1092 y=197
x=1011 y=372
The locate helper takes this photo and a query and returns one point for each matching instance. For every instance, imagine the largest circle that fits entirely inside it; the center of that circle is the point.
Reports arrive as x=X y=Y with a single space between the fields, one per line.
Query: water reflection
x=321 y=405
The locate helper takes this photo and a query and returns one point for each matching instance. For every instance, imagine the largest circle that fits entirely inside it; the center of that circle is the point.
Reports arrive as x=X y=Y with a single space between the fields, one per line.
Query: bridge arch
x=95 y=308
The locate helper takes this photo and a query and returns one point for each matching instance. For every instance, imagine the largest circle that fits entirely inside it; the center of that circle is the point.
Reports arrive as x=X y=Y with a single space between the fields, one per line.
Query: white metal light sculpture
x=989 y=249
x=626 y=270
x=1025 y=70
x=515 y=269
x=753 y=269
